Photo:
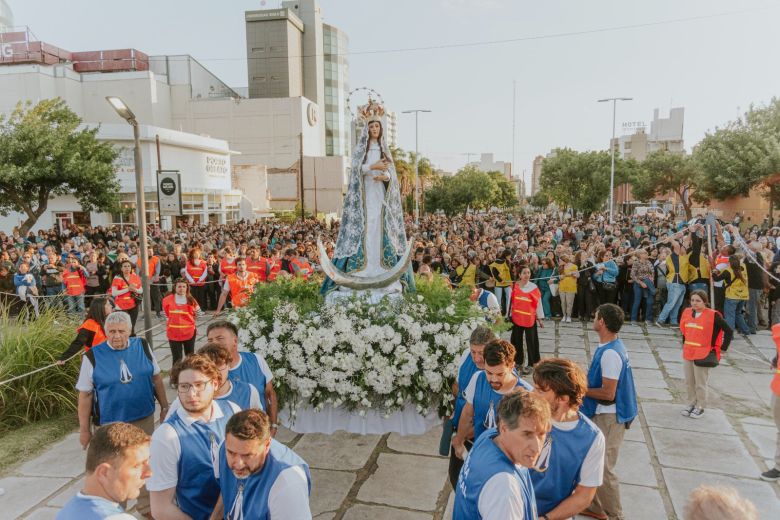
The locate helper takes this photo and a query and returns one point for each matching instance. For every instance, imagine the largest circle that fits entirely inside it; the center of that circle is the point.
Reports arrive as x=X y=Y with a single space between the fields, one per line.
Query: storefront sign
x=169 y=192
x=6 y=51
x=216 y=165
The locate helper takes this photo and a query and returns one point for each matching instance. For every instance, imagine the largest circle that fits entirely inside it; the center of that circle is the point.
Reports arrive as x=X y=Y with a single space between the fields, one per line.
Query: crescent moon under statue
x=356 y=282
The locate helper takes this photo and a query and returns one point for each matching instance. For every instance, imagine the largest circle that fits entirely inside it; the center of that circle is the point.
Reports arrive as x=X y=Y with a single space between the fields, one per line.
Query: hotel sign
x=6 y=51
x=216 y=165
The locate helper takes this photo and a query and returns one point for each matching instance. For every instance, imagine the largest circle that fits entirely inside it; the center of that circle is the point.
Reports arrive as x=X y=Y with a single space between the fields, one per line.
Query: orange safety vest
x=125 y=301
x=151 y=264
x=241 y=289
x=697 y=332
x=93 y=326
x=227 y=268
x=775 y=384
x=195 y=272
x=74 y=282
x=258 y=268
x=524 y=305
x=181 y=319
x=273 y=272
x=304 y=268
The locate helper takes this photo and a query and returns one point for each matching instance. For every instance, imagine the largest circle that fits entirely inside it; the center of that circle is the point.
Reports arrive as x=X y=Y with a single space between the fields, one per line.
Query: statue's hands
x=379 y=165
x=382 y=178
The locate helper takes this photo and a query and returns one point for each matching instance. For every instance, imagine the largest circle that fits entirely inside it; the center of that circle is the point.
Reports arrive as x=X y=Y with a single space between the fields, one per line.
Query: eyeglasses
x=199 y=386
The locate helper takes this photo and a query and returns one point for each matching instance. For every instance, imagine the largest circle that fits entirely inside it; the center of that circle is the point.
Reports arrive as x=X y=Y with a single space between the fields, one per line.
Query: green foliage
x=26 y=346
x=268 y=296
x=663 y=172
x=539 y=200
x=738 y=157
x=44 y=154
x=470 y=188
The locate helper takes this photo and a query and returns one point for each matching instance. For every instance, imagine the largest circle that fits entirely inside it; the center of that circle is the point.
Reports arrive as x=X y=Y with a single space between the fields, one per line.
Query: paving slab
x=362 y=512
x=642 y=503
x=761 y=421
x=285 y=435
x=393 y=484
x=66 y=494
x=656 y=394
x=681 y=482
x=450 y=506
x=62 y=459
x=44 y=513
x=763 y=437
x=669 y=355
x=635 y=433
x=425 y=444
x=681 y=449
x=340 y=450
x=324 y=516
x=662 y=415
x=649 y=378
x=634 y=466
x=640 y=360
x=24 y=493
x=675 y=370
x=329 y=489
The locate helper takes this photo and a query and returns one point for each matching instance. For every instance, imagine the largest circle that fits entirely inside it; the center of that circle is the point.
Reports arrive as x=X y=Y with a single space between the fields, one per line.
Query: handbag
x=447 y=431
x=708 y=362
x=608 y=286
x=136 y=296
x=553 y=289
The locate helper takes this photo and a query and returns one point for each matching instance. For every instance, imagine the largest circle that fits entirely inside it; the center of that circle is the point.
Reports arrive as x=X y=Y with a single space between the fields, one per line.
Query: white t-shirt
x=492 y=301
x=472 y=388
x=166 y=449
x=611 y=366
x=84 y=383
x=264 y=368
x=592 y=471
x=289 y=495
x=254 y=399
x=501 y=499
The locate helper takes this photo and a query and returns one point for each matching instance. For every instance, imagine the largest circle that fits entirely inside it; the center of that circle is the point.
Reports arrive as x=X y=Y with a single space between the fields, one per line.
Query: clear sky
x=714 y=57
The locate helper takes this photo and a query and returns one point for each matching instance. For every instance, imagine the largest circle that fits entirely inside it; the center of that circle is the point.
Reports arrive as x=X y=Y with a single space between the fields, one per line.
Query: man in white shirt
x=569 y=474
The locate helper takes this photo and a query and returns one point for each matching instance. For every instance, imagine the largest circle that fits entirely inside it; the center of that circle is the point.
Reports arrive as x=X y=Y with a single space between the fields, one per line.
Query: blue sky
x=714 y=57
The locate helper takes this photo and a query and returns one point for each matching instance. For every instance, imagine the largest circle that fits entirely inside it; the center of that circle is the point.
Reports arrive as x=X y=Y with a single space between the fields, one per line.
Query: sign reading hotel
x=631 y=127
x=216 y=166
x=169 y=192
x=6 y=51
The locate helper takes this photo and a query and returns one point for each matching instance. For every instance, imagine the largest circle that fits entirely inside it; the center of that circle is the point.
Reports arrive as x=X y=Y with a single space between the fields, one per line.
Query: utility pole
x=612 y=150
x=416 y=113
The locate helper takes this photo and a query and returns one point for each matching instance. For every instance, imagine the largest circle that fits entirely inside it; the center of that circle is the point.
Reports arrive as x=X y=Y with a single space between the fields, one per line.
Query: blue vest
x=88 y=508
x=625 y=395
x=249 y=372
x=123 y=395
x=465 y=372
x=197 y=489
x=483 y=461
x=486 y=403
x=256 y=488
x=483 y=298
x=568 y=451
x=241 y=394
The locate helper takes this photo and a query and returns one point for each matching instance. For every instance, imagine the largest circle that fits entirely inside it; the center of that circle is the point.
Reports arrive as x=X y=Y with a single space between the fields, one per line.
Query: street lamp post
x=612 y=150
x=125 y=113
x=416 y=113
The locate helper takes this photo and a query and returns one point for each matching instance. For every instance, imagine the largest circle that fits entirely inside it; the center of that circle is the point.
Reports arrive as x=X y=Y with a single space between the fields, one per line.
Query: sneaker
x=773 y=475
x=687 y=411
x=696 y=413
x=659 y=324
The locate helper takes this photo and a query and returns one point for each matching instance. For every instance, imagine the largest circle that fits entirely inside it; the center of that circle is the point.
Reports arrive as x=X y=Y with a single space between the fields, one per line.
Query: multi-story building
x=337 y=118
x=536 y=175
x=6 y=16
x=488 y=164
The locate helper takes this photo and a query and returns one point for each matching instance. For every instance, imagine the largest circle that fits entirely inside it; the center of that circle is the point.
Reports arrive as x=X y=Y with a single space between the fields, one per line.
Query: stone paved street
x=662 y=459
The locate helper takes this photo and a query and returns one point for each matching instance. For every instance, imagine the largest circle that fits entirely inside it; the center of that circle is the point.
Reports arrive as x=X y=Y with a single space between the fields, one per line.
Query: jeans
x=733 y=311
x=52 y=290
x=75 y=304
x=674 y=299
x=546 y=296
x=752 y=309
x=504 y=303
x=647 y=295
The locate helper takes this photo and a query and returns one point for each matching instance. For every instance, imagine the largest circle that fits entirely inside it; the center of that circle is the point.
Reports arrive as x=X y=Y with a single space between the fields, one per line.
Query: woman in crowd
x=126 y=290
x=196 y=274
x=641 y=275
x=705 y=333
x=586 y=289
x=544 y=276
x=526 y=315
x=605 y=277
x=180 y=309
x=91 y=332
x=735 y=280
x=625 y=285
x=502 y=274
x=568 y=285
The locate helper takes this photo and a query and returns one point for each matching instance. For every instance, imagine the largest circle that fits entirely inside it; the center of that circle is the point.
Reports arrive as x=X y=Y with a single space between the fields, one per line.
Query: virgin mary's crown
x=371 y=111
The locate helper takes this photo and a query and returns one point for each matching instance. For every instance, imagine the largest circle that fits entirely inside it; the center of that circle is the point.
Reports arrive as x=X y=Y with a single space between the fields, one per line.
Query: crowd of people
x=541 y=447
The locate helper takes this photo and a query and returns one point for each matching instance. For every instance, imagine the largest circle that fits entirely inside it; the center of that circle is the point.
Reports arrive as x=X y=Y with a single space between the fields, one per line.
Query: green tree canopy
x=539 y=200
x=663 y=172
x=469 y=188
x=736 y=158
x=43 y=154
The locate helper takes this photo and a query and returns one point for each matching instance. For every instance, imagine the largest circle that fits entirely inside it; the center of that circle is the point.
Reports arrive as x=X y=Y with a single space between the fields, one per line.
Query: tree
x=469 y=188
x=580 y=180
x=663 y=172
x=43 y=154
x=539 y=200
x=507 y=194
x=740 y=156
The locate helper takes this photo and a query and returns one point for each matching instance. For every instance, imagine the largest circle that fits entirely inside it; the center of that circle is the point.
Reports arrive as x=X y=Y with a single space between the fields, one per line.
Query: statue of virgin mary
x=371 y=251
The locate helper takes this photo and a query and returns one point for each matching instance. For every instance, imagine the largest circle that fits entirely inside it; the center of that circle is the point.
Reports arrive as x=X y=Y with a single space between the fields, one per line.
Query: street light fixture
x=140 y=207
x=417 y=184
x=612 y=150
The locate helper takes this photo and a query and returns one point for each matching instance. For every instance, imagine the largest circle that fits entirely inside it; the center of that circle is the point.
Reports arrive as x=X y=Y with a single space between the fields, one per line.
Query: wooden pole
x=709 y=255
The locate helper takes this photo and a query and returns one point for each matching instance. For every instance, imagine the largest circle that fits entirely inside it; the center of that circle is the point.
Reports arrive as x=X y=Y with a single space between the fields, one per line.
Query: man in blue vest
x=567 y=480
x=185 y=449
x=119 y=382
x=610 y=403
x=486 y=300
x=470 y=363
x=117 y=467
x=494 y=483
x=247 y=367
x=260 y=477
x=484 y=392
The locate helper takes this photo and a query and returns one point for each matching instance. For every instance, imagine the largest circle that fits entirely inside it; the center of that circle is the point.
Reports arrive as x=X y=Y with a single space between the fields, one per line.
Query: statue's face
x=374 y=129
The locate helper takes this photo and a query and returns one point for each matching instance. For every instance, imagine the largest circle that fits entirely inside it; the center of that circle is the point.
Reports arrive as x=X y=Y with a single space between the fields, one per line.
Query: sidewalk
x=664 y=456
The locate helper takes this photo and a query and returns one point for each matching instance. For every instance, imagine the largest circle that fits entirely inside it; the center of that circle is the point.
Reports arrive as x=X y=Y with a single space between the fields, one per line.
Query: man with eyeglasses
x=573 y=471
x=484 y=392
x=494 y=483
x=185 y=449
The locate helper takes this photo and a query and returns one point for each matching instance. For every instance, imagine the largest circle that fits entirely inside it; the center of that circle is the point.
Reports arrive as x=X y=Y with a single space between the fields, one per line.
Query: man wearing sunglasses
x=567 y=476
x=185 y=449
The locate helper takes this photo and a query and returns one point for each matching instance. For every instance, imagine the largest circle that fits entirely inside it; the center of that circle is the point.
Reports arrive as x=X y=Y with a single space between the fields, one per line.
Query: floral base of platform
x=406 y=421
